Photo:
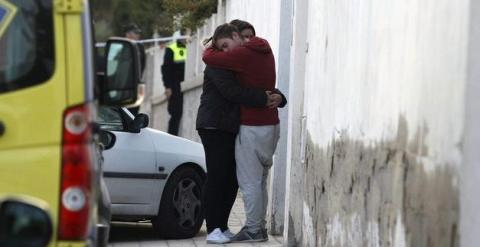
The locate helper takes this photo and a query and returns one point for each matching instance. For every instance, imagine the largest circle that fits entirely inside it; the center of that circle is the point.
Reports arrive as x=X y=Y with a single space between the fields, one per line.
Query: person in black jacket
x=173 y=73
x=217 y=123
x=133 y=32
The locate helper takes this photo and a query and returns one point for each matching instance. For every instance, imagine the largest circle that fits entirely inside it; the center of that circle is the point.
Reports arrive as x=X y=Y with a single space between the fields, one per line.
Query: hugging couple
x=239 y=127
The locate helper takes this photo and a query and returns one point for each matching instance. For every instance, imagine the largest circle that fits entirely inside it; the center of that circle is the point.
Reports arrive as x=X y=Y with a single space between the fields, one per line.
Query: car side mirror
x=121 y=83
x=24 y=222
x=107 y=139
x=140 y=122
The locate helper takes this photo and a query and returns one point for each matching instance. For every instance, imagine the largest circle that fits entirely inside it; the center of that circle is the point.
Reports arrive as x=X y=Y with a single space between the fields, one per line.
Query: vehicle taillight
x=76 y=177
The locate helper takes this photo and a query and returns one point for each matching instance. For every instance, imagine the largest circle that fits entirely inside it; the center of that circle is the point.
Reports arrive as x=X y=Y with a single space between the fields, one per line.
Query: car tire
x=181 y=210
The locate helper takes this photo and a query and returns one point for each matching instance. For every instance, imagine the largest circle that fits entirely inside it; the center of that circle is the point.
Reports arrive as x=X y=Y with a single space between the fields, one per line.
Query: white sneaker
x=228 y=233
x=217 y=237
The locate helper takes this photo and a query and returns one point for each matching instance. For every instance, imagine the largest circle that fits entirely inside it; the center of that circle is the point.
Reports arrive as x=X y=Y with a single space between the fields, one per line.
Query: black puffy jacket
x=221 y=97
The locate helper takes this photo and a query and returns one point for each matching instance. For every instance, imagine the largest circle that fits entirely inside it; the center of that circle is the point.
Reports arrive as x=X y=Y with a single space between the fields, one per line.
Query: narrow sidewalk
x=237 y=218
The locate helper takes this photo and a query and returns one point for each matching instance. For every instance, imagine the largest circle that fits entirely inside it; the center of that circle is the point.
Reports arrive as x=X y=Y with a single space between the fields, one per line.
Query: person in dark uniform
x=173 y=73
x=133 y=32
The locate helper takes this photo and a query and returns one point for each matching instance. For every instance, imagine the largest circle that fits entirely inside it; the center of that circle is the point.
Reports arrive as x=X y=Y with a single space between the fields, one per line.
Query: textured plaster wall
x=361 y=195
x=384 y=102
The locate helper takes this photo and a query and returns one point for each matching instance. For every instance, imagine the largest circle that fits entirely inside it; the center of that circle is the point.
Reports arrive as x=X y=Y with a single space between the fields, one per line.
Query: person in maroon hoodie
x=253 y=61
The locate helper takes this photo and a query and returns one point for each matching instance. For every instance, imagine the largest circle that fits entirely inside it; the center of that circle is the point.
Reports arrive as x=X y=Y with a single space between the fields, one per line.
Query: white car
x=153 y=175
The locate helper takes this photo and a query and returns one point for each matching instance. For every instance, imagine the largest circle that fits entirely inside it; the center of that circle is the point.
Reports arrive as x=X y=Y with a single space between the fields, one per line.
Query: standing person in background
x=173 y=73
x=133 y=32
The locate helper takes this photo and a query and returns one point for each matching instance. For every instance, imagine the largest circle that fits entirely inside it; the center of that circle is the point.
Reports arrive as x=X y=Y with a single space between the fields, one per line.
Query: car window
x=26 y=43
x=110 y=118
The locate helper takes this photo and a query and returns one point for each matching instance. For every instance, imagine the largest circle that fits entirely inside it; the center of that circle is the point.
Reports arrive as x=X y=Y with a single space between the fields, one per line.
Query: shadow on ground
x=132 y=232
x=138 y=232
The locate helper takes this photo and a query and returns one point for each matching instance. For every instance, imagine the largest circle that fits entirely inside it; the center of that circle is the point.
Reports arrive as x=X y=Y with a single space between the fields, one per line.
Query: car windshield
x=26 y=43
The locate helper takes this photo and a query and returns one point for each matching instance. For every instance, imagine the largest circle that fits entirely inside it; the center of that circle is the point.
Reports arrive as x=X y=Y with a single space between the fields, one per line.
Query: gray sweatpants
x=254 y=149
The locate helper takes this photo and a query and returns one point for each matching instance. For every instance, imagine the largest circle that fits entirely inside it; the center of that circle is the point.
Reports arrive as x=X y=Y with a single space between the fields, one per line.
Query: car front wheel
x=181 y=209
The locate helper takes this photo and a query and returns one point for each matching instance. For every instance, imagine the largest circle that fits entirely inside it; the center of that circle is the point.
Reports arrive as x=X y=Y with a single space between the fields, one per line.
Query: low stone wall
x=159 y=116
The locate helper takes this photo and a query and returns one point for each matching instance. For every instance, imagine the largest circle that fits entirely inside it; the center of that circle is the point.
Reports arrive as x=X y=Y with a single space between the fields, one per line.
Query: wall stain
x=377 y=184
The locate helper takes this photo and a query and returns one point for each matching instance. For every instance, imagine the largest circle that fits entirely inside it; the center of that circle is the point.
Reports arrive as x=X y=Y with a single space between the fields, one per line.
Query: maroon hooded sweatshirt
x=254 y=65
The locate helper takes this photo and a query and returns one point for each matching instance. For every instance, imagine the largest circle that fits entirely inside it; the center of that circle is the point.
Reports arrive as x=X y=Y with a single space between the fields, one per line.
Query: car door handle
x=2 y=128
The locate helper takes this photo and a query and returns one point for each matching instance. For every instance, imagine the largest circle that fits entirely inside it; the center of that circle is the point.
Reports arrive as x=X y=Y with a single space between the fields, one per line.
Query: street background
x=379 y=141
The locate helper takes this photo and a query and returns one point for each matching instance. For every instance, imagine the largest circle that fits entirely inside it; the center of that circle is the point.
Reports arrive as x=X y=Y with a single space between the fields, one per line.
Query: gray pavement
x=142 y=235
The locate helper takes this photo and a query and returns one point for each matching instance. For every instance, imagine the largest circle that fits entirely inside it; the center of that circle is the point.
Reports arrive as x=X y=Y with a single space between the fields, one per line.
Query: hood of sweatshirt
x=259 y=45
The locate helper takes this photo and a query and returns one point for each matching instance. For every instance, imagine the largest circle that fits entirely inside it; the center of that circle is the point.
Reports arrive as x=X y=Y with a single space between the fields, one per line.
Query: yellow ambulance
x=49 y=93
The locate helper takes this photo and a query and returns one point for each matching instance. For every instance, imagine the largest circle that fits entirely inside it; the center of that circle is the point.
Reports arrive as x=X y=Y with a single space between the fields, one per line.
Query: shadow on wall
x=354 y=195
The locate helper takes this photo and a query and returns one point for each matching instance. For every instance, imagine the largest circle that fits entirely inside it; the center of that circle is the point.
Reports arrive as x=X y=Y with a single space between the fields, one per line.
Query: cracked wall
x=376 y=195
x=384 y=105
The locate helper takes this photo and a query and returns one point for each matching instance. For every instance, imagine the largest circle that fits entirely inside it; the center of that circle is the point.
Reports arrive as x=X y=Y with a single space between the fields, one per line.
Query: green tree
x=190 y=14
x=161 y=16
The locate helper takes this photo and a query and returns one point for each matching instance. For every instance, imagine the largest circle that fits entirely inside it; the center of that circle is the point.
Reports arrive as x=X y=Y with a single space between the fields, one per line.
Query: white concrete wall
x=372 y=61
x=470 y=174
x=381 y=75
x=277 y=191
x=293 y=218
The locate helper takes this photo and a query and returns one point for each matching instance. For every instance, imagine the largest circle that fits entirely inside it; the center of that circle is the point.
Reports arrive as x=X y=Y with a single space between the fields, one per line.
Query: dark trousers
x=221 y=187
x=175 y=109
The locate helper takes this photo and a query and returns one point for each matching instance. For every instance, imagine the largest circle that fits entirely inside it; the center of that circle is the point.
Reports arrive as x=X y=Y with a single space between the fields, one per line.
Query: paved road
x=142 y=235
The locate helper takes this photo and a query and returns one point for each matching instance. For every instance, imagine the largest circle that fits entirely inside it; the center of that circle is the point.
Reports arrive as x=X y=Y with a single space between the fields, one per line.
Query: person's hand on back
x=274 y=99
x=168 y=92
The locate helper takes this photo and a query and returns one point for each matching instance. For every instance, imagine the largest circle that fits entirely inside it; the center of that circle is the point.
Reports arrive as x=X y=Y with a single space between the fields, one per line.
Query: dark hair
x=132 y=27
x=223 y=31
x=242 y=25
x=205 y=42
